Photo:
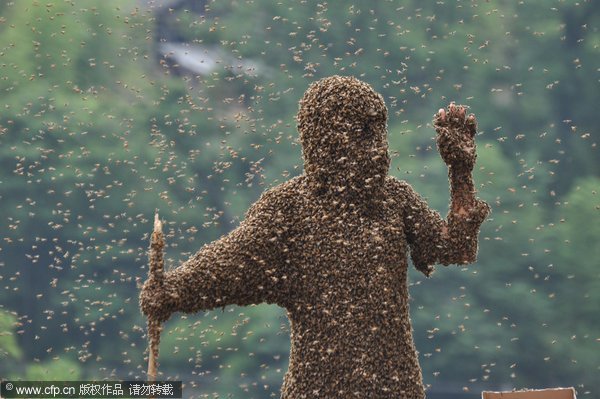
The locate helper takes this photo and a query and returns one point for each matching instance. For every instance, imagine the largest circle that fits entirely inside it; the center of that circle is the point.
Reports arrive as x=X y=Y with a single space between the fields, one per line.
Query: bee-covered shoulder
x=276 y=203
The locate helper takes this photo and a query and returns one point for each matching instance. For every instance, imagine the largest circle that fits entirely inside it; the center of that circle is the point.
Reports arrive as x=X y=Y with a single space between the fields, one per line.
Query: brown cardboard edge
x=549 y=393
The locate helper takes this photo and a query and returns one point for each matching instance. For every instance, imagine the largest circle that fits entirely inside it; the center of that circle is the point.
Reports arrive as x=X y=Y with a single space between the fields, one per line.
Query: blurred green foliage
x=55 y=369
x=9 y=348
x=95 y=134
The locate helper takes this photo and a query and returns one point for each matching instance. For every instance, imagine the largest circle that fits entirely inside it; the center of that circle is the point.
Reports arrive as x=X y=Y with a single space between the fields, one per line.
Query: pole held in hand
x=155 y=272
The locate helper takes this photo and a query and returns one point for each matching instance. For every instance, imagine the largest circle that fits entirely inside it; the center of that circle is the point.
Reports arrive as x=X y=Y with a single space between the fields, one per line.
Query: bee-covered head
x=342 y=123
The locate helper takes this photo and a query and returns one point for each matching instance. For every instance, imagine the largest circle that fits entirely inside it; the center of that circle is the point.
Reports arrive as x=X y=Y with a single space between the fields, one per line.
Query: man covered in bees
x=331 y=247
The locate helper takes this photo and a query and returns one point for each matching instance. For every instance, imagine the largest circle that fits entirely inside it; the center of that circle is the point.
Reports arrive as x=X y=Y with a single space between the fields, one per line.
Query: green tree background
x=97 y=130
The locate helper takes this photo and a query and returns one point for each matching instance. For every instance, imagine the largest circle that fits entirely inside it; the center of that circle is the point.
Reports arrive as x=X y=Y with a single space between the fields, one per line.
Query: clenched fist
x=456 y=136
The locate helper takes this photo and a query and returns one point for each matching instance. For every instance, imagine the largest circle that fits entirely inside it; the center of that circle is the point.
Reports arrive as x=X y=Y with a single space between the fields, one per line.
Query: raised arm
x=431 y=239
x=246 y=266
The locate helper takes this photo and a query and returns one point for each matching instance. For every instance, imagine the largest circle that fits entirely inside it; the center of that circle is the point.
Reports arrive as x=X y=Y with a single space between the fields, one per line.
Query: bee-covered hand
x=157 y=301
x=456 y=137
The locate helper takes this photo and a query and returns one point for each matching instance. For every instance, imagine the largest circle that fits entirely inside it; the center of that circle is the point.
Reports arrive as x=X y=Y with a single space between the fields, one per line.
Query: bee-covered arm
x=246 y=266
x=433 y=240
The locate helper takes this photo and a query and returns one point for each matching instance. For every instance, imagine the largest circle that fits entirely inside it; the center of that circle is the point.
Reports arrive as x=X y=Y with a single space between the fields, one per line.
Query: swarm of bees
x=113 y=109
x=330 y=246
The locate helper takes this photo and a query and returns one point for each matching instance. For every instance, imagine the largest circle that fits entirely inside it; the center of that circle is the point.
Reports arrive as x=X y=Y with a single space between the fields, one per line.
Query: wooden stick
x=154 y=330
x=156 y=272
